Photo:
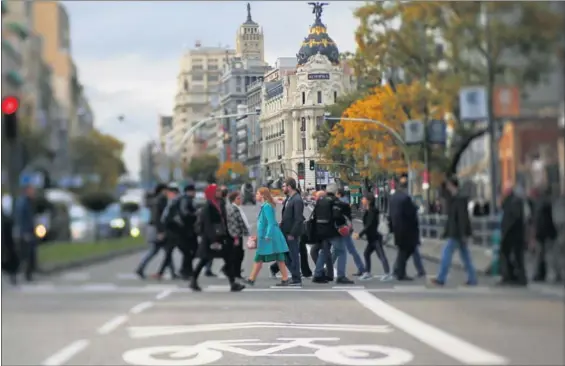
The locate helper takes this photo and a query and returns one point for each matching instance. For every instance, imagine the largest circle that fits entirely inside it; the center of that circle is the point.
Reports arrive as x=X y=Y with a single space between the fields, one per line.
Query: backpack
x=171 y=216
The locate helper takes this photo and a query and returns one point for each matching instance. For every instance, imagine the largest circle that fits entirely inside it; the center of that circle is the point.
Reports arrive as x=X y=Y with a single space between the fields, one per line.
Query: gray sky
x=128 y=52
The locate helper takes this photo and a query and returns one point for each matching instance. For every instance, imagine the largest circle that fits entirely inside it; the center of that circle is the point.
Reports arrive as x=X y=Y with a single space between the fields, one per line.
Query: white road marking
x=127 y=276
x=75 y=276
x=65 y=354
x=112 y=324
x=141 y=307
x=40 y=287
x=110 y=287
x=352 y=287
x=436 y=338
x=163 y=294
x=161 y=287
x=218 y=288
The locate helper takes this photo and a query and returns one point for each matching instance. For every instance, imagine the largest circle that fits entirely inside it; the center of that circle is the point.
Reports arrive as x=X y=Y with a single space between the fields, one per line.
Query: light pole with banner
x=394 y=134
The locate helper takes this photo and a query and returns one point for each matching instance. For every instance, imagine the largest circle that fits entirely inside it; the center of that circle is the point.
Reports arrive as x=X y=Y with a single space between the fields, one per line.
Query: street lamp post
x=194 y=128
x=395 y=134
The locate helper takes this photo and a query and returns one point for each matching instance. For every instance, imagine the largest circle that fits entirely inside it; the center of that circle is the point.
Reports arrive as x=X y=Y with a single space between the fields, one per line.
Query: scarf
x=244 y=218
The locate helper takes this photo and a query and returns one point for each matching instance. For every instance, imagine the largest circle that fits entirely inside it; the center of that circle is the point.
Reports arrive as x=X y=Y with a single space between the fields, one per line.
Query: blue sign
x=437 y=132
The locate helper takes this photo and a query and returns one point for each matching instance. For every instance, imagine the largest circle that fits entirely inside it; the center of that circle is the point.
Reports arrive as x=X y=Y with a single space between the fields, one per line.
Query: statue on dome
x=318 y=9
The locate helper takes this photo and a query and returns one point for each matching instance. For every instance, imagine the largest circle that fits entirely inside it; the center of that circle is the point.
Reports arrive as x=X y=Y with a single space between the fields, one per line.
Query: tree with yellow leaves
x=225 y=170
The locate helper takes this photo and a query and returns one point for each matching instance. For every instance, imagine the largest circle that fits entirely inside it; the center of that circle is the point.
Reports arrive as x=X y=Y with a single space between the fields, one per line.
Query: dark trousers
x=375 y=246
x=167 y=261
x=512 y=261
x=188 y=249
x=325 y=246
x=228 y=257
x=405 y=251
x=151 y=253
x=29 y=256
x=238 y=256
x=304 y=265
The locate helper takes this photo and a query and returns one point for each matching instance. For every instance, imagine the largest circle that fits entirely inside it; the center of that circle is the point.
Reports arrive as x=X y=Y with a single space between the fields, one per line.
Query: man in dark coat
x=546 y=234
x=24 y=221
x=513 y=240
x=403 y=222
x=10 y=259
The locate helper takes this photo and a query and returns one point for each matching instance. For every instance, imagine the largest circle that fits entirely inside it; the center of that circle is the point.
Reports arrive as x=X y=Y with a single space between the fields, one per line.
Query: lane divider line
x=112 y=324
x=163 y=294
x=65 y=354
x=436 y=338
x=137 y=309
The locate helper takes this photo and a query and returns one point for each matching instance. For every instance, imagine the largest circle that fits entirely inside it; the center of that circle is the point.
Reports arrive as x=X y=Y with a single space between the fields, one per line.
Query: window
x=238 y=80
x=64 y=36
x=335 y=97
x=197 y=77
x=303 y=98
x=197 y=67
x=319 y=97
x=212 y=67
x=213 y=78
x=186 y=86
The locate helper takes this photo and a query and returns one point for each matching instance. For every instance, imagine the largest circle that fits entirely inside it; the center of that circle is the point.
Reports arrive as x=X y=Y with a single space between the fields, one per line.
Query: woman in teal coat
x=271 y=243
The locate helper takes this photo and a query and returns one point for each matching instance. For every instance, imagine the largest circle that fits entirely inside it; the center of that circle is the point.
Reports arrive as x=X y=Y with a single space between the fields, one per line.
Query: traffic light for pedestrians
x=312 y=165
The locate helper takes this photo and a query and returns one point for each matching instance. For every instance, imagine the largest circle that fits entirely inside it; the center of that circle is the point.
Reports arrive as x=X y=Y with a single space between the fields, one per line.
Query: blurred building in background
x=149 y=162
x=197 y=94
x=37 y=67
x=253 y=137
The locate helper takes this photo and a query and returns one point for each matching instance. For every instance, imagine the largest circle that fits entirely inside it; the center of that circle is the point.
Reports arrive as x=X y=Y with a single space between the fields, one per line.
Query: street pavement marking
x=218 y=288
x=137 y=309
x=110 y=287
x=75 y=276
x=436 y=338
x=65 y=354
x=351 y=287
x=112 y=324
x=163 y=294
x=161 y=287
x=127 y=276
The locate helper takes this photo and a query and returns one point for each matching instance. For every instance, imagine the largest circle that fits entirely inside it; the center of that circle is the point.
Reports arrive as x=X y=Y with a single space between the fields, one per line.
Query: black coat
x=403 y=220
x=544 y=225
x=458 y=224
x=213 y=229
x=292 y=216
x=371 y=225
x=10 y=259
x=512 y=227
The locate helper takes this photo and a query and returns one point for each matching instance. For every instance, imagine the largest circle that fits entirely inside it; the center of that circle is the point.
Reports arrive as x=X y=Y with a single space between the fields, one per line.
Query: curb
x=92 y=260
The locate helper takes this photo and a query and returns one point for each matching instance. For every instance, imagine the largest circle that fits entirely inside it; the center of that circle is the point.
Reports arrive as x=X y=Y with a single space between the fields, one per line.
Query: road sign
x=414 y=132
x=473 y=103
x=437 y=132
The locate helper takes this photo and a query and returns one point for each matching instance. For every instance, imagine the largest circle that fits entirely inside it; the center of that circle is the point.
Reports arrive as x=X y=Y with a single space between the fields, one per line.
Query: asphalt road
x=104 y=315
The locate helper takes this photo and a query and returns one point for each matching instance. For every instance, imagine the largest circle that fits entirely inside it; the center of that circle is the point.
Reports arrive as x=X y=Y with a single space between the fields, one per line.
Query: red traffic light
x=10 y=105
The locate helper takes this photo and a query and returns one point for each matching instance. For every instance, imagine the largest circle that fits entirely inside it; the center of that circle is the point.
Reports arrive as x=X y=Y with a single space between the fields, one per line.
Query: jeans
x=447 y=256
x=30 y=257
x=418 y=263
x=350 y=248
x=152 y=252
x=293 y=259
x=324 y=257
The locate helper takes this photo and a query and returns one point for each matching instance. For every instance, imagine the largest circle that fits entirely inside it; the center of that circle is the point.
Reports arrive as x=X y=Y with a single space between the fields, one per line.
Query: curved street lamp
x=394 y=133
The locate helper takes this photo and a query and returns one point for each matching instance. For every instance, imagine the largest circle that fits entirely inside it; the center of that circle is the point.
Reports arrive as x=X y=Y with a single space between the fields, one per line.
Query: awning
x=14 y=77
x=20 y=29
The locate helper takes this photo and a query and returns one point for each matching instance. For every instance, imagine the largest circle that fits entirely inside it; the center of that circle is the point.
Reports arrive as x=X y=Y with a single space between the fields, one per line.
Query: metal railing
x=483 y=228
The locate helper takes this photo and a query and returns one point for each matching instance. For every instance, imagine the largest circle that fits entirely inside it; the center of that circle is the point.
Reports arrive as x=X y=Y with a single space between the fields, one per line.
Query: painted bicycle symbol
x=211 y=351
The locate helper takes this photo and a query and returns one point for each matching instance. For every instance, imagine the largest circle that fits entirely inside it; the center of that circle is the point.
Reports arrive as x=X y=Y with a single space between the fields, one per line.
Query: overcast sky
x=128 y=53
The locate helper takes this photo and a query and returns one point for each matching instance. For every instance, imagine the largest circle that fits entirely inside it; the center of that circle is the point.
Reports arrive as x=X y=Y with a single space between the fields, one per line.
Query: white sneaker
x=365 y=276
x=387 y=277
x=335 y=272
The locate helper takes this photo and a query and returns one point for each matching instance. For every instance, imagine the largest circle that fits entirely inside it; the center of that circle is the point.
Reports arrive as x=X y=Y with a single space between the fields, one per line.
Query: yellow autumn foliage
x=387 y=107
x=228 y=167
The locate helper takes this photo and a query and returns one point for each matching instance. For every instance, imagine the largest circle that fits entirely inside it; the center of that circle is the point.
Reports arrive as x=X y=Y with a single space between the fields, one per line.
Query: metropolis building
x=293 y=106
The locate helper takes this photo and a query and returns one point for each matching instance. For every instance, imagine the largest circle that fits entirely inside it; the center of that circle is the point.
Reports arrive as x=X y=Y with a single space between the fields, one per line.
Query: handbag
x=219 y=230
x=251 y=243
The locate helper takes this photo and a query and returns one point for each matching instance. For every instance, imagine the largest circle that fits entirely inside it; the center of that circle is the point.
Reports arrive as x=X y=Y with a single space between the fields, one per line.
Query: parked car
x=82 y=224
x=111 y=223
x=139 y=221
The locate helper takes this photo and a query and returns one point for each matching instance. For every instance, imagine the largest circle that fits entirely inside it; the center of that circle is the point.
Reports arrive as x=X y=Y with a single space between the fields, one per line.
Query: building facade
x=15 y=32
x=239 y=73
x=253 y=130
x=197 y=95
x=293 y=108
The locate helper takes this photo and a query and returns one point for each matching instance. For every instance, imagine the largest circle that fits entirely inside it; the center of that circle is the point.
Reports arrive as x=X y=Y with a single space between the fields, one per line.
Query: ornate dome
x=318 y=40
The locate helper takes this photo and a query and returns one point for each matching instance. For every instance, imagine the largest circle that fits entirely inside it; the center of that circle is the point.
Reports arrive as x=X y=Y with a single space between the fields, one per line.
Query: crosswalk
x=47 y=287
